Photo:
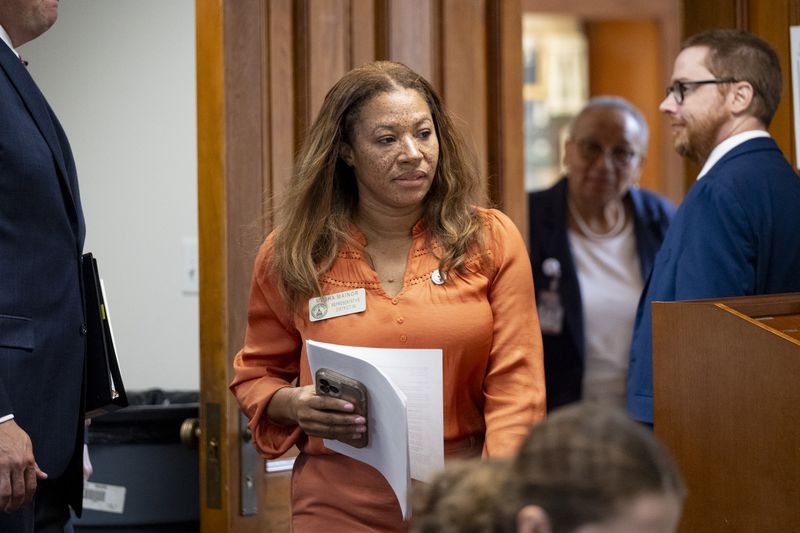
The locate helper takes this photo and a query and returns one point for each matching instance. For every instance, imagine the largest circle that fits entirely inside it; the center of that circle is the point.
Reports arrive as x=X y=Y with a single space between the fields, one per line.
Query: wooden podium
x=726 y=383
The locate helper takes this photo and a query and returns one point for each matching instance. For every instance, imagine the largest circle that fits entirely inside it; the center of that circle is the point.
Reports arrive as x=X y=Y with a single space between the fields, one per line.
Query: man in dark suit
x=42 y=328
x=738 y=230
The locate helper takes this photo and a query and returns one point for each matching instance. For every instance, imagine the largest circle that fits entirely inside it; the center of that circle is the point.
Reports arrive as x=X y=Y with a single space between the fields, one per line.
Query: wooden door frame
x=231 y=137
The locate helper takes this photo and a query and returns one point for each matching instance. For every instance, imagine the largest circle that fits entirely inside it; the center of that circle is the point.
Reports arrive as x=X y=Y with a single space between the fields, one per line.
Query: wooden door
x=263 y=68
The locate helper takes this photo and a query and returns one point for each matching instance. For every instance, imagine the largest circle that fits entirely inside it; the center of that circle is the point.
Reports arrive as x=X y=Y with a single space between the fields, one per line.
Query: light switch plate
x=191 y=273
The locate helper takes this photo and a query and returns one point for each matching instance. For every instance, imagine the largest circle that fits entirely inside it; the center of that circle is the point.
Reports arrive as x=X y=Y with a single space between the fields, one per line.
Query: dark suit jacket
x=737 y=233
x=42 y=332
x=547 y=211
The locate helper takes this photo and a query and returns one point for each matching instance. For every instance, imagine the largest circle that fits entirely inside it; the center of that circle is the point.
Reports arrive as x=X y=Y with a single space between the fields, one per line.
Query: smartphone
x=332 y=383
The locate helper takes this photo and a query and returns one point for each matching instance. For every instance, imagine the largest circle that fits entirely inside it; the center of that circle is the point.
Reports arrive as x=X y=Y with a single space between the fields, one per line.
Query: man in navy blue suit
x=738 y=230
x=42 y=327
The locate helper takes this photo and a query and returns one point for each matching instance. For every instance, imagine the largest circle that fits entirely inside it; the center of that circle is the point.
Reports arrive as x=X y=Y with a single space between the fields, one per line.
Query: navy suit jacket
x=737 y=233
x=42 y=332
x=547 y=212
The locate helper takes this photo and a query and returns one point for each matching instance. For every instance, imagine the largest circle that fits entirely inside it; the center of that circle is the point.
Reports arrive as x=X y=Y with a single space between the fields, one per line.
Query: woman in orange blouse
x=384 y=197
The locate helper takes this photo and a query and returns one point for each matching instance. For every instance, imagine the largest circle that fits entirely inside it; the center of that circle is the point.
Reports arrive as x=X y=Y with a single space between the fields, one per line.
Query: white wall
x=120 y=75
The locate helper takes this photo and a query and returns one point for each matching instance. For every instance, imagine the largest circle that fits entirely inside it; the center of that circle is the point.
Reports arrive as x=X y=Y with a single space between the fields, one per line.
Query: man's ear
x=346 y=153
x=742 y=97
x=533 y=519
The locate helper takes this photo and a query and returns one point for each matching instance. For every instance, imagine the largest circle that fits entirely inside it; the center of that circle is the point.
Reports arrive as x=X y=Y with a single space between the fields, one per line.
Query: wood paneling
x=412 y=37
x=625 y=60
x=276 y=502
x=603 y=9
x=323 y=54
x=698 y=16
x=505 y=131
x=464 y=70
x=245 y=135
x=280 y=86
x=725 y=393
x=363 y=32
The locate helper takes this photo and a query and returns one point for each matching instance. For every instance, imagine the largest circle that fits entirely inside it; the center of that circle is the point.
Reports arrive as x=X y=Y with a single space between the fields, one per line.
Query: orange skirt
x=336 y=493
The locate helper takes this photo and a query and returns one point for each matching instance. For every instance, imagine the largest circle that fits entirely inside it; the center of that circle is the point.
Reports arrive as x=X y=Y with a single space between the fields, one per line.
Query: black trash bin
x=138 y=451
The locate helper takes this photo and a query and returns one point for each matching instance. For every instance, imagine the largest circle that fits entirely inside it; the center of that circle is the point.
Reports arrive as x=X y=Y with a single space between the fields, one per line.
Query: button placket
x=400 y=320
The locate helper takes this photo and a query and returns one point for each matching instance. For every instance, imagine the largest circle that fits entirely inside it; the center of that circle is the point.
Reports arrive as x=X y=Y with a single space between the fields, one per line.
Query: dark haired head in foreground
x=586 y=469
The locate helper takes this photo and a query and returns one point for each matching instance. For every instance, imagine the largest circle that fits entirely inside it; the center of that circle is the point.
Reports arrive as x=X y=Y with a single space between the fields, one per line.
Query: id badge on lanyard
x=551 y=311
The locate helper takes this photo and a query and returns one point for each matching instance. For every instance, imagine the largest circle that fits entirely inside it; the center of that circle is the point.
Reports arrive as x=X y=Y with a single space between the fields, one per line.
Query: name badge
x=551 y=313
x=338 y=304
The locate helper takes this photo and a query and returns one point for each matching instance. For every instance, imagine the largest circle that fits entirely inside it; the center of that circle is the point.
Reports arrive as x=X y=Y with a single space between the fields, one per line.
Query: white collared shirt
x=727 y=145
x=7 y=39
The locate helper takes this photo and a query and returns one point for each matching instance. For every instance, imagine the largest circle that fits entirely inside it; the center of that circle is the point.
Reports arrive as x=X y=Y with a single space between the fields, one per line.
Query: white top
x=610 y=279
x=727 y=145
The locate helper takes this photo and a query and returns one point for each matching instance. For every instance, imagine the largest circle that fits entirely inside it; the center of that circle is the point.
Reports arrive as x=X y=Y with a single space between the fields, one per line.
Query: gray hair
x=619 y=104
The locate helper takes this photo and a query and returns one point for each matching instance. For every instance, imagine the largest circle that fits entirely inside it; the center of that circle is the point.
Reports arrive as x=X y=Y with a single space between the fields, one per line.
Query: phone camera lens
x=324 y=382
x=324 y=388
x=334 y=389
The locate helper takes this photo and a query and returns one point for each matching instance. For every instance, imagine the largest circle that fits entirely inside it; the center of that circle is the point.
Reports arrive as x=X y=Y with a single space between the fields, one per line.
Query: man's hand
x=19 y=472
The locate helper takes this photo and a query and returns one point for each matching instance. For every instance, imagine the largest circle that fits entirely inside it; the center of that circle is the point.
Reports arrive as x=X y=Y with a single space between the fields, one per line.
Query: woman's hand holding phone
x=317 y=415
x=335 y=385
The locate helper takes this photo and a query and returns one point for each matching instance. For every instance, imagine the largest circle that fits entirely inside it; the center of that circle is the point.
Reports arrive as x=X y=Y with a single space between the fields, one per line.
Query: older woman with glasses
x=594 y=236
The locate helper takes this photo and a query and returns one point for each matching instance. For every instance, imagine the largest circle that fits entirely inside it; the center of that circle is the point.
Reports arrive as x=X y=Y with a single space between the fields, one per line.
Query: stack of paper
x=404 y=421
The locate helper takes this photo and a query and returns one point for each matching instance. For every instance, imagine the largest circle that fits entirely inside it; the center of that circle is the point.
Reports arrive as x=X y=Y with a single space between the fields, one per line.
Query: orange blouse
x=484 y=320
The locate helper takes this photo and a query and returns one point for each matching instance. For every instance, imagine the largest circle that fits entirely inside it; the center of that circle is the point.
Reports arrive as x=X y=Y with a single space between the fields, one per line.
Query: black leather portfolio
x=105 y=392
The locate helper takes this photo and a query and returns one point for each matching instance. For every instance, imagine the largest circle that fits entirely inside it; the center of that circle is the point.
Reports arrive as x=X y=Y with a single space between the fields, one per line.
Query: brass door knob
x=190 y=432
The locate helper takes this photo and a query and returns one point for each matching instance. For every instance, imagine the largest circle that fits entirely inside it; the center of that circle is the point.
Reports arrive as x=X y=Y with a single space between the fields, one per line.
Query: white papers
x=405 y=412
x=107 y=317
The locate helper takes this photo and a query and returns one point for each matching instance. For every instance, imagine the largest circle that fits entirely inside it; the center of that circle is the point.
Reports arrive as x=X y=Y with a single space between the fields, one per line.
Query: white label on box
x=102 y=497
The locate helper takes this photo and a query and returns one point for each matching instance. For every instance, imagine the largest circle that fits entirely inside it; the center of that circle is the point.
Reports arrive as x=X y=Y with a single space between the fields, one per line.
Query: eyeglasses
x=678 y=88
x=620 y=156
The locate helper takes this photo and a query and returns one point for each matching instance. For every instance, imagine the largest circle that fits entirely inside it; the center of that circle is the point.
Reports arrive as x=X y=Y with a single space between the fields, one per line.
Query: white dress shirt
x=7 y=39
x=726 y=146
